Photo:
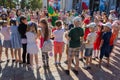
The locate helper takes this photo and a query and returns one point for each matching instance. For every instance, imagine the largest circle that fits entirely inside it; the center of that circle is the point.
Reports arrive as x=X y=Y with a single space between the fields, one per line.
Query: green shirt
x=75 y=35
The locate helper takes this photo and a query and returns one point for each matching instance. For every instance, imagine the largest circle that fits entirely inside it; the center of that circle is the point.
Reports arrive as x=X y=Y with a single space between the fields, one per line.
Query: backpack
x=47 y=46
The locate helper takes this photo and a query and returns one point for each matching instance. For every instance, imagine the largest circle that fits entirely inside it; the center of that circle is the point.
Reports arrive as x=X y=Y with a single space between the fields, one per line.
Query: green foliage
x=33 y=4
x=7 y=3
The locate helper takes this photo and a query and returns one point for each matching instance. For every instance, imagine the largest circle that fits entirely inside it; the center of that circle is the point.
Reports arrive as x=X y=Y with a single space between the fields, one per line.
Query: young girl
x=32 y=47
x=58 y=41
x=7 y=42
x=97 y=41
x=16 y=40
x=45 y=35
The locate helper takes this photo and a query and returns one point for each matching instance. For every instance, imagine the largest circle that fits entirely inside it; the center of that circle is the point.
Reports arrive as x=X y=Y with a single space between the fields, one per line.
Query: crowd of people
x=90 y=36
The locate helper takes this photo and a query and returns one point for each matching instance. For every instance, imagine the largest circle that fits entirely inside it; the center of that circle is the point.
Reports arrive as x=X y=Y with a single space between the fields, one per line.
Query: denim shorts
x=88 y=52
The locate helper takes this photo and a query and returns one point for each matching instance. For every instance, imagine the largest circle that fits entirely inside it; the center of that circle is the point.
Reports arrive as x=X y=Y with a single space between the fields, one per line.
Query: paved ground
x=14 y=71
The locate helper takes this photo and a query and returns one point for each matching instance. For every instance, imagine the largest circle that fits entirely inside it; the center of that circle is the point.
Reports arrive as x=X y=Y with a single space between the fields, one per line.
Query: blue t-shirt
x=106 y=37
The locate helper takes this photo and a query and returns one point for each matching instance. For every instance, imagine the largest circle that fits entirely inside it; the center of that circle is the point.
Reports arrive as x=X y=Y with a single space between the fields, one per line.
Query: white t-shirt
x=58 y=34
x=91 y=38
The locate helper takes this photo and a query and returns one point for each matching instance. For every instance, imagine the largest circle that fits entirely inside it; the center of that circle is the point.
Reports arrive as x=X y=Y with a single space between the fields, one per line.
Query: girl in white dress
x=32 y=47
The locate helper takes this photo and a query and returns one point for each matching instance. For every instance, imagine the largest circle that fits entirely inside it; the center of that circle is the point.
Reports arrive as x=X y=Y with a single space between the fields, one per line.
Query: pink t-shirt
x=6 y=33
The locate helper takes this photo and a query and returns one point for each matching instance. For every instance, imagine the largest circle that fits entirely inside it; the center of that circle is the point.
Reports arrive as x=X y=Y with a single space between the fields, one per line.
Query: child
x=97 y=41
x=58 y=41
x=89 y=45
x=44 y=36
x=105 y=43
x=22 y=31
x=0 y=48
x=32 y=47
x=7 y=42
x=115 y=31
x=16 y=40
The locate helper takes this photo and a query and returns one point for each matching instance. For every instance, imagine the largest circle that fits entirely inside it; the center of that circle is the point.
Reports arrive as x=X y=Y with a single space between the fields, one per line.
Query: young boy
x=58 y=41
x=89 y=45
x=105 y=43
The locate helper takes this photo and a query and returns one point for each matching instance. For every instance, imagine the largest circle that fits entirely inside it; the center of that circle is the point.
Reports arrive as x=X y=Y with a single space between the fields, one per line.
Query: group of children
x=69 y=36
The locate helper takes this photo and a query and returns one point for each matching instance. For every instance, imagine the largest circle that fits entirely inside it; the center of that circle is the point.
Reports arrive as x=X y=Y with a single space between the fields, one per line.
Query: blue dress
x=15 y=38
x=105 y=49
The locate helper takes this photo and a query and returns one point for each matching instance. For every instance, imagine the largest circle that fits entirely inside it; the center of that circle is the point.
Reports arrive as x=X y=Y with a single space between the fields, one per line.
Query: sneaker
x=13 y=60
x=75 y=71
x=1 y=61
x=86 y=67
x=55 y=63
x=59 y=63
x=89 y=67
x=94 y=58
x=67 y=72
x=81 y=59
x=73 y=62
x=38 y=67
x=8 y=60
x=66 y=62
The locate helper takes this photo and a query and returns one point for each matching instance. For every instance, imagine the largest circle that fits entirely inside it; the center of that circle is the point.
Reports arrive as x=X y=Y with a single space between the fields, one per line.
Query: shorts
x=82 y=47
x=74 y=52
x=58 y=47
x=105 y=51
x=88 y=52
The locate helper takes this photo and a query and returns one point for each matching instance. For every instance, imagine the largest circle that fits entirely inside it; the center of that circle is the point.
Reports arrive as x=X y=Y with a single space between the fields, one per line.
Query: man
x=75 y=36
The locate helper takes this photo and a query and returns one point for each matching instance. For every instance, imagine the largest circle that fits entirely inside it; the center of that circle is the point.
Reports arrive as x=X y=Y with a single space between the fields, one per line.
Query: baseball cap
x=77 y=19
x=108 y=24
x=92 y=24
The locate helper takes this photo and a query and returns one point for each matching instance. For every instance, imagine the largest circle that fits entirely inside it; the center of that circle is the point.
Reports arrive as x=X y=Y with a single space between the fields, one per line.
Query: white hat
x=108 y=24
x=93 y=24
x=77 y=19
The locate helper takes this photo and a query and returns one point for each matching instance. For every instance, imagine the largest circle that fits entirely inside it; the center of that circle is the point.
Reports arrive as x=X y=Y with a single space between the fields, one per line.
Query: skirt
x=32 y=49
x=7 y=44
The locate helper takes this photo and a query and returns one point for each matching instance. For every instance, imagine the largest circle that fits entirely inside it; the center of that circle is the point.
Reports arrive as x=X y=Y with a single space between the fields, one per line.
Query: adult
x=75 y=36
x=22 y=28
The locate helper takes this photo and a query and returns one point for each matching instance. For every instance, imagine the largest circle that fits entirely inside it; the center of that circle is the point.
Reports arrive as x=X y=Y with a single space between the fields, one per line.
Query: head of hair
x=22 y=18
x=46 y=34
x=32 y=24
x=12 y=22
x=58 y=23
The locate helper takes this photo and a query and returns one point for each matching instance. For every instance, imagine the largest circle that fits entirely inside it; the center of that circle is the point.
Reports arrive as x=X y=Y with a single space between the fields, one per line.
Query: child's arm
x=101 y=43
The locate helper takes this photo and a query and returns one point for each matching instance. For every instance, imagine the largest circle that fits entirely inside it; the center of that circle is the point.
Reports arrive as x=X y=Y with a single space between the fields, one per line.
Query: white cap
x=77 y=19
x=93 y=24
x=108 y=24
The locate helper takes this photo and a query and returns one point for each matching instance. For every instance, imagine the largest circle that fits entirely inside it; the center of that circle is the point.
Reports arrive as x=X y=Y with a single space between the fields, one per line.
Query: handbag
x=47 y=46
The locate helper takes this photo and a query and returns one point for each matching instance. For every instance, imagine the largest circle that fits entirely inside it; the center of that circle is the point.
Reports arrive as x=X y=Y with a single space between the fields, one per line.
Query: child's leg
x=87 y=61
x=95 y=52
x=0 y=52
x=6 y=53
x=108 y=61
x=60 y=56
x=90 y=60
x=36 y=59
x=67 y=51
x=12 y=54
x=19 y=55
x=31 y=59
x=15 y=52
x=70 y=58
x=55 y=57
x=77 y=60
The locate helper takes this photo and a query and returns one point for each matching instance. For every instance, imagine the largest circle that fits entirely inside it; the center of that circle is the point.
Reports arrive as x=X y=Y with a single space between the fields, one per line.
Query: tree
x=33 y=4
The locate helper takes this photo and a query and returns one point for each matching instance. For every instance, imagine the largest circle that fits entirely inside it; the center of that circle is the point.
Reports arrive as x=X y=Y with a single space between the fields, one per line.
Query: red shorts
x=58 y=47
